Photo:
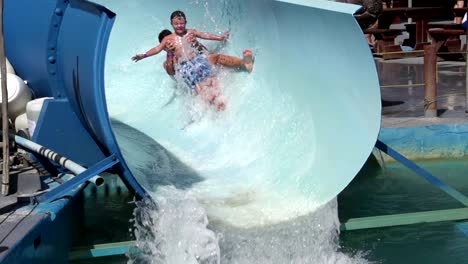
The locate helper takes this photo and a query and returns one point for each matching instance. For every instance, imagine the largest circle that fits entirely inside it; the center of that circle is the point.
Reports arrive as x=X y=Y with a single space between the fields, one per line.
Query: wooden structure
x=438 y=38
x=421 y=13
x=428 y=35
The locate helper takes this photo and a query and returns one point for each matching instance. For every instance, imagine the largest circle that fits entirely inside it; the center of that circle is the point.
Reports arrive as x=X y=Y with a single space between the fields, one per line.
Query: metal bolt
x=51 y=59
x=58 y=11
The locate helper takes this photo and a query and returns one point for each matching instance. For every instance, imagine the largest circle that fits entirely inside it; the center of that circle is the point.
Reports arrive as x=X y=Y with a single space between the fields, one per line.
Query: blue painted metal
x=423 y=173
x=59 y=47
x=69 y=137
x=65 y=188
x=43 y=235
x=26 y=23
x=55 y=81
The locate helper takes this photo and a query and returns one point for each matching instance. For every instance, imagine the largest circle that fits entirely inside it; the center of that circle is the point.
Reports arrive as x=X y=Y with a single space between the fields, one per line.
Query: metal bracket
x=63 y=189
x=423 y=173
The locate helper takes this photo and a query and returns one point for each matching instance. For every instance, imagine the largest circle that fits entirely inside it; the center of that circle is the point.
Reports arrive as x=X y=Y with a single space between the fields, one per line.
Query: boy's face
x=178 y=23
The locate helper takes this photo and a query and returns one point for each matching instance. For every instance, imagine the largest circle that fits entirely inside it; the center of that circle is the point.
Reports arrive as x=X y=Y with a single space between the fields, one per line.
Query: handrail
x=5 y=124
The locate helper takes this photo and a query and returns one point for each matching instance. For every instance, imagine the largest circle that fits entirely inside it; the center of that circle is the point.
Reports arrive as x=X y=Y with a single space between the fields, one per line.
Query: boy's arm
x=209 y=36
x=151 y=52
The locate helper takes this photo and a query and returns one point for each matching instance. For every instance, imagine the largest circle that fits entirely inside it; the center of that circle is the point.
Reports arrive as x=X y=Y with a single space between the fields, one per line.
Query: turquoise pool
x=375 y=191
x=394 y=190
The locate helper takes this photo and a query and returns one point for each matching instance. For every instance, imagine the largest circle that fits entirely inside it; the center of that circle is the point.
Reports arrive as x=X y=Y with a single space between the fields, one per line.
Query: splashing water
x=173 y=229
x=247 y=169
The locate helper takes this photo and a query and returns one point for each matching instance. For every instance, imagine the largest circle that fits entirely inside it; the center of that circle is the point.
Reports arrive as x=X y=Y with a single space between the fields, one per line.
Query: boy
x=195 y=67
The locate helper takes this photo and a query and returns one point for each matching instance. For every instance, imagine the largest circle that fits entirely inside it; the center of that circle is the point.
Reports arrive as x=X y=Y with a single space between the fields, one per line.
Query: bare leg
x=209 y=91
x=234 y=62
x=218 y=101
x=225 y=60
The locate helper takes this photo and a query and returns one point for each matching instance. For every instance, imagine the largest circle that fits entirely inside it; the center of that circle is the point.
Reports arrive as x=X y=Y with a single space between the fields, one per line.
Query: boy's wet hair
x=163 y=34
x=178 y=13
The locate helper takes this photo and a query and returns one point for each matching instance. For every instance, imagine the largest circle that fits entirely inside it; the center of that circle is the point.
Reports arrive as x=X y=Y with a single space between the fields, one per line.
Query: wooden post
x=438 y=38
x=5 y=123
x=430 y=80
x=410 y=4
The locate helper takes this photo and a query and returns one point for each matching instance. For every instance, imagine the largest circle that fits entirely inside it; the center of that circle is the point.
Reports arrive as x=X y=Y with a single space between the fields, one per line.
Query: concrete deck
x=404 y=126
x=403 y=81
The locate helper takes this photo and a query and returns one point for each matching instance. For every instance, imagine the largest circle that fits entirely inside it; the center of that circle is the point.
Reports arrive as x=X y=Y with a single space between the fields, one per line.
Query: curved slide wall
x=295 y=131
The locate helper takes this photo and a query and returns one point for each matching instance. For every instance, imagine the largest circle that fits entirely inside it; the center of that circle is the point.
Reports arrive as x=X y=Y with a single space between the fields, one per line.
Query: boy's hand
x=138 y=57
x=191 y=36
x=170 y=47
x=226 y=35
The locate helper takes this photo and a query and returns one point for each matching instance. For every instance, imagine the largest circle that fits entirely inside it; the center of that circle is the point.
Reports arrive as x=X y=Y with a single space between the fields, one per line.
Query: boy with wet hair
x=198 y=73
x=191 y=36
x=217 y=59
x=164 y=33
x=196 y=68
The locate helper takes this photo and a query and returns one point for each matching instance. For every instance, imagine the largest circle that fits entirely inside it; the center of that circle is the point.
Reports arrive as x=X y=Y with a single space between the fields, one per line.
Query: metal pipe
x=5 y=124
x=65 y=162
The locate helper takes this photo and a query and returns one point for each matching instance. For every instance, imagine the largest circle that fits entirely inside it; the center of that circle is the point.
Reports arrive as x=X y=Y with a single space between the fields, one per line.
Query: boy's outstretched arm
x=209 y=36
x=150 y=52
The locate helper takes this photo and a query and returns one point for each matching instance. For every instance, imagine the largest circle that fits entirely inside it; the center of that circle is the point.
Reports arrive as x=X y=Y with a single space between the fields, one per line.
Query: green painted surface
x=395 y=195
x=405 y=219
x=100 y=250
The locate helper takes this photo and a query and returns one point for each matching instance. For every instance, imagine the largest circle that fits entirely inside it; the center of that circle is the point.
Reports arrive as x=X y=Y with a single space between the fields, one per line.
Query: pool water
x=375 y=191
x=108 y=211
x=395 y=190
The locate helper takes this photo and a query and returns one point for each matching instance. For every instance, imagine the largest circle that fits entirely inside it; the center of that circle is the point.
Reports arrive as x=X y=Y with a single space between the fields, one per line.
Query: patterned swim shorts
x=195 y=70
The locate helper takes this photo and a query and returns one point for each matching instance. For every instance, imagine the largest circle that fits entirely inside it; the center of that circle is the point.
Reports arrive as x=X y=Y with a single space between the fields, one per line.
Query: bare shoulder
x=171 y=37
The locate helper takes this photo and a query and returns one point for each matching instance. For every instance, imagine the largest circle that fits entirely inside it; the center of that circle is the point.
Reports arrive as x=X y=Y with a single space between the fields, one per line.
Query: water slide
x=294 y=133
x=263 y=172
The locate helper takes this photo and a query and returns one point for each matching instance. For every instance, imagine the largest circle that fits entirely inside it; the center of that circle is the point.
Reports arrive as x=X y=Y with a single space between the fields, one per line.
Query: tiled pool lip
x=426 y=138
